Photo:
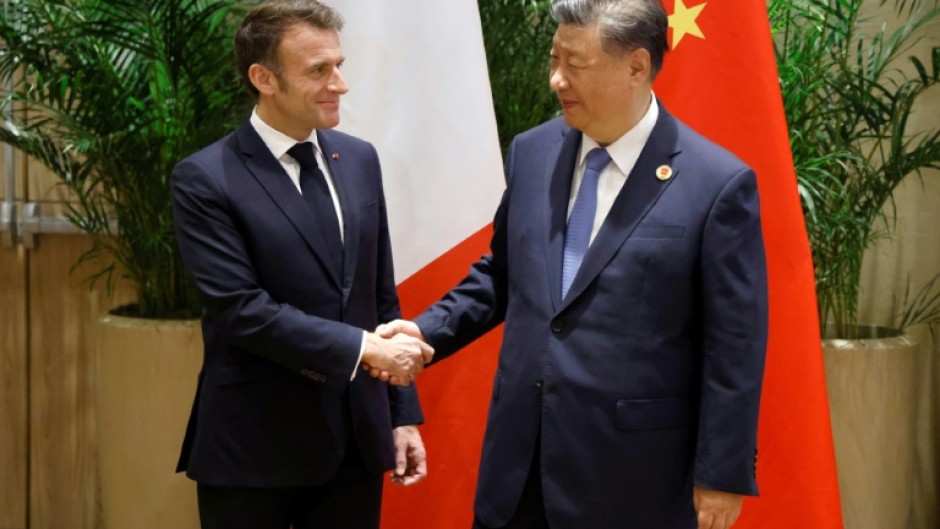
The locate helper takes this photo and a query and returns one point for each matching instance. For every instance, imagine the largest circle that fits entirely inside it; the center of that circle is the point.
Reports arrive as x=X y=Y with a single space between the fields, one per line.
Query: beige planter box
x=147 y=373
x=871 y=385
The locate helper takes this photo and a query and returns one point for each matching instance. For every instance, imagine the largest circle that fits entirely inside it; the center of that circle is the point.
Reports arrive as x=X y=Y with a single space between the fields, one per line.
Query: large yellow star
x=682 y=22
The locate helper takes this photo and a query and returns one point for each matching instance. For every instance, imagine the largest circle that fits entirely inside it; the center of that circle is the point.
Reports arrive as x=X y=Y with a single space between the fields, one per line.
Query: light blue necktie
x=581 y=220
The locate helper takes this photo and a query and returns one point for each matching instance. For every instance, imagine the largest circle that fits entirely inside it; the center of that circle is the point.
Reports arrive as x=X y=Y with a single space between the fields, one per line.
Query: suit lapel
x=636 y=197
x=348 y=205
x=271 y=176
x=564 y=152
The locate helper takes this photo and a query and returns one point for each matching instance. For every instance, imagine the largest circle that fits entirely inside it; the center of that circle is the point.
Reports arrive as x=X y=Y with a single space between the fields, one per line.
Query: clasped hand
x=396 y=352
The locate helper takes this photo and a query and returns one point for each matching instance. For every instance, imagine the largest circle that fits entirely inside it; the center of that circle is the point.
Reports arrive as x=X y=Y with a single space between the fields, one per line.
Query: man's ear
x=640 y=65
x=263 y=79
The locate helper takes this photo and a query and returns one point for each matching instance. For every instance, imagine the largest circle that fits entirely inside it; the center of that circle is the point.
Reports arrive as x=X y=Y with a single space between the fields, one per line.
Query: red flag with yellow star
x=720 y=77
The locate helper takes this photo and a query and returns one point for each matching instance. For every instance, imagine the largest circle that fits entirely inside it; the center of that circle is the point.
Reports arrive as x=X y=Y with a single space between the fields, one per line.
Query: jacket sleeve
x=403 y=402
x=478 y=303
x=734 y=296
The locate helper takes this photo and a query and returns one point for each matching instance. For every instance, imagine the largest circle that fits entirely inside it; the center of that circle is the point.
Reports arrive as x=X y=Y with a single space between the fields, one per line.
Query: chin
x=573 y=121
x=329 y=123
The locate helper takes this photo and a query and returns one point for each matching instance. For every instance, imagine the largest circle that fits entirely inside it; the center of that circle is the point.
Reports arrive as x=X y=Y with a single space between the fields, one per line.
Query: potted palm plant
x=849 y=99
x=109 y=95
x=850 y=84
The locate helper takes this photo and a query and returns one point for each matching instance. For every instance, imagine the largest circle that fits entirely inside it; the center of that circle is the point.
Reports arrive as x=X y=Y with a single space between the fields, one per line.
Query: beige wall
x=914 y=252
x=48 y=471
x=13 y=384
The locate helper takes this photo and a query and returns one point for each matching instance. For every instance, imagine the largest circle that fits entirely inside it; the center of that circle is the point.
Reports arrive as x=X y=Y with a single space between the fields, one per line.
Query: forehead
x=304 y=42
x=577 y=40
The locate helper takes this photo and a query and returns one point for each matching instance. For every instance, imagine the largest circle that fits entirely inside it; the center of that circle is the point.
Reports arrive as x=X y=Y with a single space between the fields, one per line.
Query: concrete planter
x=147 y=373
x=871 y=384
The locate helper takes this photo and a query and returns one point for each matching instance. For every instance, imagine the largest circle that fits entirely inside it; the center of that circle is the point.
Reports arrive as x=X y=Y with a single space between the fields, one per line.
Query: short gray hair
x=626 y=25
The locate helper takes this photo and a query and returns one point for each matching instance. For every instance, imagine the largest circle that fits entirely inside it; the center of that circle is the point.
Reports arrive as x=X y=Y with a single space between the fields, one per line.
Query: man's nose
x=557 y=80
x=338 y=82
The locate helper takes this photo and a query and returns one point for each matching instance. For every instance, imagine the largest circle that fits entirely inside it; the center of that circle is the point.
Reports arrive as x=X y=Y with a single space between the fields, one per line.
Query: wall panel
x=63 y=312
x=13 y=389
x=14 y=404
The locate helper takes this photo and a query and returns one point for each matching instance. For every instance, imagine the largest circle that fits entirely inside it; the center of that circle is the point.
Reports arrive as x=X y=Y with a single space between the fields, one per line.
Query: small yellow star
x=682 y=22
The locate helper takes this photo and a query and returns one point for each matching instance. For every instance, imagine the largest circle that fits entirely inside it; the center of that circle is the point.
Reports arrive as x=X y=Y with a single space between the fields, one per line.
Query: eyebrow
x=321 y=63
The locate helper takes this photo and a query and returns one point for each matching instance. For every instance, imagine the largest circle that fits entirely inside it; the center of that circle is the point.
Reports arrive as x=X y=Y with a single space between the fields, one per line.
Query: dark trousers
x=351 y=500
x=530 y=514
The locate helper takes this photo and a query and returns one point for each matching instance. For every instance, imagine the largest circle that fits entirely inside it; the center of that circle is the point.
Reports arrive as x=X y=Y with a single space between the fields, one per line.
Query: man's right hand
x=398 y=358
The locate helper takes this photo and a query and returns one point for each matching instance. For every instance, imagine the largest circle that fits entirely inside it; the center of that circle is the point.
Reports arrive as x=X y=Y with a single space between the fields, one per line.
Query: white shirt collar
x=276 y=141
x=625 y=150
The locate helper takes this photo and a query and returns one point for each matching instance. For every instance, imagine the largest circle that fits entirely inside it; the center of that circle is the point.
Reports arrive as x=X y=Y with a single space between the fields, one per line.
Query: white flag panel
x=419 y=91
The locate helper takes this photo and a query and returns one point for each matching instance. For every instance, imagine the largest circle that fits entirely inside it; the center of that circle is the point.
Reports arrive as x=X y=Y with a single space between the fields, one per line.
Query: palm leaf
x=109 y=95
x=848 y=104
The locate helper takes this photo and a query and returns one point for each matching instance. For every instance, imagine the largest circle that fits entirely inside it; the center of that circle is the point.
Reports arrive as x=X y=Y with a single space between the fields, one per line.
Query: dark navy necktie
x=581 y=220
x=317 y=195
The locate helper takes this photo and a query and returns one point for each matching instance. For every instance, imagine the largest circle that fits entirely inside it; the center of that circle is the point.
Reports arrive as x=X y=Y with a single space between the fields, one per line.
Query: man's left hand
x=410 y=457
x=716 y=509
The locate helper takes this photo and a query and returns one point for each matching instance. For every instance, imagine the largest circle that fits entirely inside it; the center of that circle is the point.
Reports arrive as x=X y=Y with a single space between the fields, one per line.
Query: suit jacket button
x=558 y=325
x=538 y=388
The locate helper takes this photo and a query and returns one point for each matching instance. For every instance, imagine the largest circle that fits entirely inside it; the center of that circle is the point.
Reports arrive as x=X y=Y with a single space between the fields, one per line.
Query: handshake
x=396 y=352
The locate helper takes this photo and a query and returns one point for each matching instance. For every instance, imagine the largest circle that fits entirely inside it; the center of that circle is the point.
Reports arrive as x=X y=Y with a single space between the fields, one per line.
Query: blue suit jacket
x=646 y=378
x=282 y=329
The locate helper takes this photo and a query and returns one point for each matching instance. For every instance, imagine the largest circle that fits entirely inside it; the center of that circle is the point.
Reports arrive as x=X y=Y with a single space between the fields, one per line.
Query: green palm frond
x=850 y=88
x=109 y=95
x=517 y=35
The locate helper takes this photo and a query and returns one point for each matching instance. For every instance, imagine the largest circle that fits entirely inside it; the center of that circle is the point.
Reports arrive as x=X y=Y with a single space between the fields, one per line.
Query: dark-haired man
x=282 y=225
x=628 y=265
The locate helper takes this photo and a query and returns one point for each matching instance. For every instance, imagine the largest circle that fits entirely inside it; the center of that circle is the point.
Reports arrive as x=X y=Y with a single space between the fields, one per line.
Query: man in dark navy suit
x=282 y=225
x=628 y=265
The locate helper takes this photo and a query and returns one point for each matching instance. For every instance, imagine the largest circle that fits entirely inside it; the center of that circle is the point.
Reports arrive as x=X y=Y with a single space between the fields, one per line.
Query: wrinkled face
x=597 y=90
x=307 y=95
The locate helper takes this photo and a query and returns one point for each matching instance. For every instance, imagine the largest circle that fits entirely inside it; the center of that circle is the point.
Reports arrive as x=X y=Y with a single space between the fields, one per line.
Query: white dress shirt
x=624 y=153
x=278 y=143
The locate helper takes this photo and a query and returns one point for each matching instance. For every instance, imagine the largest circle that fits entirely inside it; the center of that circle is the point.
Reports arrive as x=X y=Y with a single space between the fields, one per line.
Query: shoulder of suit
x=552 y=130
x=210 y=155
x=695 y=146
x=342 y=140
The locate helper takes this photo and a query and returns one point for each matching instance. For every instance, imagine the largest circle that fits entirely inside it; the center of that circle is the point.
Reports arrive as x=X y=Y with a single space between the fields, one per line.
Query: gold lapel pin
x=664 y=172
x=336 y=156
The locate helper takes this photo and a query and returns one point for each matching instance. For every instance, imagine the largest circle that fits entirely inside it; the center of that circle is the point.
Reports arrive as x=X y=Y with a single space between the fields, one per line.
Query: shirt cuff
x=362 y=349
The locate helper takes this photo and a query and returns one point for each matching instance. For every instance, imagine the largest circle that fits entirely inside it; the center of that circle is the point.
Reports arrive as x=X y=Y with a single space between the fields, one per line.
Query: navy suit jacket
x=282 y=328
x=645 y=379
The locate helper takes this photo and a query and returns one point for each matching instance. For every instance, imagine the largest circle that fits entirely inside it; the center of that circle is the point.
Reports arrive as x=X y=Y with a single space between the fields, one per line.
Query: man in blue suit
x=282 y=226
x=628 y=265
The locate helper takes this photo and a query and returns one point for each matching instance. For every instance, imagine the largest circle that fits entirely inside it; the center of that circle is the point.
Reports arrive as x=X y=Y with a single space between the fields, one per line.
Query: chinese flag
x=720 y=77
